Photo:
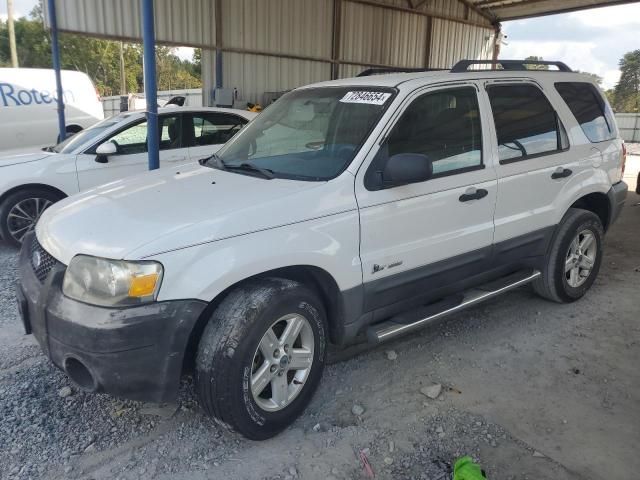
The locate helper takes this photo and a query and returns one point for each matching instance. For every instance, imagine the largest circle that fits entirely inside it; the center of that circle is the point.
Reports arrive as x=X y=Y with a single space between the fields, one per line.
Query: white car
x=112 y=149
x=352 y=210
x=29 y=109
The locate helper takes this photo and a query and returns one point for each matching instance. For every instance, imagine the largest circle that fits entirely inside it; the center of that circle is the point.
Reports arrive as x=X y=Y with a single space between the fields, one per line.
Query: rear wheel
x=574 y=260
x=21 y=210
x=261 y=356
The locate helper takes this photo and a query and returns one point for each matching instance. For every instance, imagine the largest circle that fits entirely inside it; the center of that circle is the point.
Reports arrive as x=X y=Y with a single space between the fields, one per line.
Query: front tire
x=574 y=259
x=21 y=210
x=261 y=356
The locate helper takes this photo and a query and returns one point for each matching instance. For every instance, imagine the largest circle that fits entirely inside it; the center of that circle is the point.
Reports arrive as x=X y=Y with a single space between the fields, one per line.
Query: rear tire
x=574 y=259
x=261 y=356
x=20 y=211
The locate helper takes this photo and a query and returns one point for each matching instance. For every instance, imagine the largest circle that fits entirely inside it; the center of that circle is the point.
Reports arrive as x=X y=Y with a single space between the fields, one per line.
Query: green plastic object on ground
x=466 y=469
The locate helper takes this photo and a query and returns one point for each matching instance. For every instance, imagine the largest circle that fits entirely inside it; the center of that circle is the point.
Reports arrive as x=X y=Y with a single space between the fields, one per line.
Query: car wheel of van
x=261 y=356
x=574 y=258
x=20 y=211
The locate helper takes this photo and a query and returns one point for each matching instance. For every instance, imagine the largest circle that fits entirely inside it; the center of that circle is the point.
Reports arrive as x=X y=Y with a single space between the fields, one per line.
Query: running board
x=400 y=324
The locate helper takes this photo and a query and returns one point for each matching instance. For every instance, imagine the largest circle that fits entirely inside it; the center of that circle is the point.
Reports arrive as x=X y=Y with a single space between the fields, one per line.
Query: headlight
x=112 y=283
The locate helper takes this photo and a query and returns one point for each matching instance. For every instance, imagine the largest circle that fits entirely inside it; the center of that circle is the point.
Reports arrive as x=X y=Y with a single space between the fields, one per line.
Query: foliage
x=533 y=58
x=596 y=78
x=98 y=58
x=626 y=94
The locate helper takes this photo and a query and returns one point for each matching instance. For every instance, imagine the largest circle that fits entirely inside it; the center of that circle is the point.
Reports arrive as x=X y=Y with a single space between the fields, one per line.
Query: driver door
x=419 y=237
x=131 y=157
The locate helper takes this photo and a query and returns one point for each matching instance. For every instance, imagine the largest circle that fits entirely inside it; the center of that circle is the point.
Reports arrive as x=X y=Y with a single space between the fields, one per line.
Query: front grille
x=41 y=261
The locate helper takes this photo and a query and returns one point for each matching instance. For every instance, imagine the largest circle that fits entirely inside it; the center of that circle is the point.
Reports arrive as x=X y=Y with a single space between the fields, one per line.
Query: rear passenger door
x=208 y=131
x=419 y=237
x=534 y=162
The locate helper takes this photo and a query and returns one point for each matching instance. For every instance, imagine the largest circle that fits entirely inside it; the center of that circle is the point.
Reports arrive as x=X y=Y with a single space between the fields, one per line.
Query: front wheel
x=574 y=259
x=261 y=356
x=20 y=211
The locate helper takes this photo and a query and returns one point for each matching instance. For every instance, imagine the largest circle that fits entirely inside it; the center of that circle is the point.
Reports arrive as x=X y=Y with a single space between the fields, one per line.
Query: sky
x=591 y=40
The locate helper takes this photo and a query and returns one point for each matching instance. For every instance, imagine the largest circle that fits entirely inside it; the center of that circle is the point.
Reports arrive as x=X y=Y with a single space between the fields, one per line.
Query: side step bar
x=398 y=325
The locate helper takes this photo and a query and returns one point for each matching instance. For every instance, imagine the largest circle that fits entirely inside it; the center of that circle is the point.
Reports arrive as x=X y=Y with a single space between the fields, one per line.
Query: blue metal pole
x=218 y=68
x=150 y=86
x=55 y=55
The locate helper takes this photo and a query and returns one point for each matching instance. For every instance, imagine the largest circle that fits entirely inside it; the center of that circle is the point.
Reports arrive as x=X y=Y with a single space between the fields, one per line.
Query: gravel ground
x=530 y=389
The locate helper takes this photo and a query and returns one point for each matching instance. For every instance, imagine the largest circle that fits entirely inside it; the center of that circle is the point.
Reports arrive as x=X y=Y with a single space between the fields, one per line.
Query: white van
x=28 y=106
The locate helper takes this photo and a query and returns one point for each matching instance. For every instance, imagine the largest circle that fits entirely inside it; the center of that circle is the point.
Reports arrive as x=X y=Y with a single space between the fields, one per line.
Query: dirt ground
x=531 y=389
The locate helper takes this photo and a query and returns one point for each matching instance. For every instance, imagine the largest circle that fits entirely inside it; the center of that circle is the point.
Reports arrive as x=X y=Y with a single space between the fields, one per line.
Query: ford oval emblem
x=36 y=258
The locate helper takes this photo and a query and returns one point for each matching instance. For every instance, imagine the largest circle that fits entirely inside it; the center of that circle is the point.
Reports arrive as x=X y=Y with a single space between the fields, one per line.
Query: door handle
x=473 y=193
x=561 y=173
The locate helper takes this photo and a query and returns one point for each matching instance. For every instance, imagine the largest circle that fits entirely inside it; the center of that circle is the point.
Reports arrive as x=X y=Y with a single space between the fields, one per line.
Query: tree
x=533 y=58
x=626 y=94
x=596 y=78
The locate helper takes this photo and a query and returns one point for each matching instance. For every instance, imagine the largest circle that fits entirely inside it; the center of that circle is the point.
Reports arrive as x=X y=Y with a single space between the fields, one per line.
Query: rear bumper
x=617 y=195
x=134 y=353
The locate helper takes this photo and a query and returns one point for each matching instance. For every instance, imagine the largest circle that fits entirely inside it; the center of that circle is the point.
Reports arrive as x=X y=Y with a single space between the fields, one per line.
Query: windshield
x=70 y=144
x=309 y=134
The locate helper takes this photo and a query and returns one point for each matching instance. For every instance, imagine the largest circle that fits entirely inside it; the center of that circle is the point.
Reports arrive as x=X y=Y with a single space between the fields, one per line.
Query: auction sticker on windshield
x=371 y=98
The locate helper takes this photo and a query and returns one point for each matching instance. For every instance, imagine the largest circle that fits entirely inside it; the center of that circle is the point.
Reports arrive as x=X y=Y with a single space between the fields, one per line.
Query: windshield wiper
x=214 y=161
x=250 y=167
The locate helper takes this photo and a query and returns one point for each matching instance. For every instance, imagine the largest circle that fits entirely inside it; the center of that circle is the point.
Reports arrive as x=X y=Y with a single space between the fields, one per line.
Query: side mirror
x=103 y=151
x=406 y=168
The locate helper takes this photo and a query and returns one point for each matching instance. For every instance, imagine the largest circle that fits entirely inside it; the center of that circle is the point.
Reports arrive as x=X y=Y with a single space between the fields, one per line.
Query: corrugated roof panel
x=452 y=41
x=184 y=22
x=380 y=36
x=253 y=75
x=298 y=27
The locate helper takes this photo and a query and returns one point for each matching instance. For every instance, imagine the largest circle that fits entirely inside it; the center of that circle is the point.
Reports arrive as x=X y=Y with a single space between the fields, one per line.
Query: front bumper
x=134 y=352
x=617 y=195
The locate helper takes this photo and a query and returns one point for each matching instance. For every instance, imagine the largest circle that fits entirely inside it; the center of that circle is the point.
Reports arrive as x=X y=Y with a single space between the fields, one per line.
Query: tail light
x=624 y=157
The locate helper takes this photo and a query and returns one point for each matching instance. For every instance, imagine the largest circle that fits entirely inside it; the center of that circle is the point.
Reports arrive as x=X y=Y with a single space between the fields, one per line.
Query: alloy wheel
x=282 y=362
x=581 y=258
x=24 y=215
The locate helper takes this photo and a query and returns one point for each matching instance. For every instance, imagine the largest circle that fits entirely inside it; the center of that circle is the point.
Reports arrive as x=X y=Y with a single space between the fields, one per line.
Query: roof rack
x=381 y=71
x=463 y=65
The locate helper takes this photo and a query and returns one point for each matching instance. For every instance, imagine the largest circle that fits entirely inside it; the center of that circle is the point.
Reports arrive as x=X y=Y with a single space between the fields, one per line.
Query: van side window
x=589 y=108
x=526 y=124
x=443 y=125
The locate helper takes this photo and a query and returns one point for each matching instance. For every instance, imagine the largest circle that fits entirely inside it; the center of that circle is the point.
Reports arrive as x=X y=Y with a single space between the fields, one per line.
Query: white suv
x=351 y=210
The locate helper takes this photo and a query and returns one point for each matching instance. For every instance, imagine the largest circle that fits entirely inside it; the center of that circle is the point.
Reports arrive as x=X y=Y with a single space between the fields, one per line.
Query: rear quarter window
x=589 y=109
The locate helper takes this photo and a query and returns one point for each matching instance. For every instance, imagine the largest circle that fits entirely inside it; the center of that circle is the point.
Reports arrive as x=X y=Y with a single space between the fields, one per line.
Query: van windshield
x=70 y=144
x=309 y=134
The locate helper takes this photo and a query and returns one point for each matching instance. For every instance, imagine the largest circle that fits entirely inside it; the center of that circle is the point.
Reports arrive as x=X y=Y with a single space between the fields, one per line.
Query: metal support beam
x=427 y=44
x=474 y=7
x=150 y=84
x=55 y=57
x=425 y=13
x=496 y=45
x=336 y=39
x=219 y=55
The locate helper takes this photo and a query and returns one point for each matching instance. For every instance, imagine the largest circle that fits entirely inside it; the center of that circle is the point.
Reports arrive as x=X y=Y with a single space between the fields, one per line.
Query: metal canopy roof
x=502 y=10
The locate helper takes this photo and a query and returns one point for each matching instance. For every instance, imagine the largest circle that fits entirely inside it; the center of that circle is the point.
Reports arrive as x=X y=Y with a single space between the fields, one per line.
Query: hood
x=169 y=209
x=14 y=157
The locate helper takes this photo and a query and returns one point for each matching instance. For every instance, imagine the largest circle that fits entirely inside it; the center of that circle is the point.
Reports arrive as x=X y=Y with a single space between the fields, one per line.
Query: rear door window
x=526 y=124
x=215 y=128
x=589 y=108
